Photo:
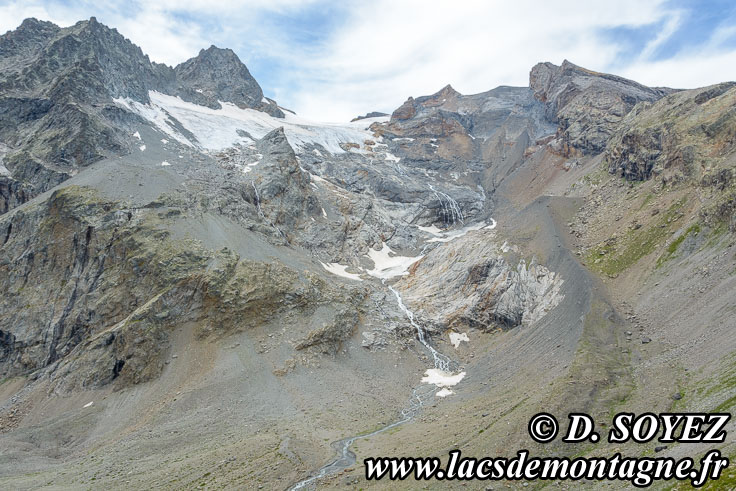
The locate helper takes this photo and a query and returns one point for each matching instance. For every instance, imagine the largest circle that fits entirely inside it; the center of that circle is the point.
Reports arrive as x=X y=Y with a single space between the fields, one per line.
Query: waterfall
x=441 y=362
x=260 y=211
x=450 y=208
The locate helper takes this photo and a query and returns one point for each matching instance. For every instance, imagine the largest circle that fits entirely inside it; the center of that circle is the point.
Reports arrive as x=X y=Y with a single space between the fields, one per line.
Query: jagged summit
x=217 y=74
x=372 y=114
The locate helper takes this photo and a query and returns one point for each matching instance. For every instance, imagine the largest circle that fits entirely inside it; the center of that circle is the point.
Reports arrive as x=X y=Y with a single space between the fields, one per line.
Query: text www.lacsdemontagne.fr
x=640 y=472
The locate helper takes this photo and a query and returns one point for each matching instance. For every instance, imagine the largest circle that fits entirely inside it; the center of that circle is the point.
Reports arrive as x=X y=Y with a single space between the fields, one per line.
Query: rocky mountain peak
x=22 y=43
x=215 y=75
x=586 y=104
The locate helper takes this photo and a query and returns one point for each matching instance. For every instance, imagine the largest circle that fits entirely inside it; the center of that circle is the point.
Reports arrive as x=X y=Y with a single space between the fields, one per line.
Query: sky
x=334 y=60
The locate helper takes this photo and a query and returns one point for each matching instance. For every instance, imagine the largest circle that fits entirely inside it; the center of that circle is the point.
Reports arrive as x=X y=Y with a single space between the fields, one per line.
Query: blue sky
x=334 y=60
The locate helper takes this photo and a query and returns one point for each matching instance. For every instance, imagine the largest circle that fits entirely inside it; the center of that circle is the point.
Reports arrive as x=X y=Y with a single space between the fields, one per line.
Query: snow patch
x=444 y=392
x=324 y=213
x=248 y=167
x=448 y=236
x=457 y=338
x=440 y=378
x=339 y=270
x=387 y=265
x=164 y=141
x=137 y=135
x=391 y=157
x=165 y=164
x=143 y=148
x=432 y=229
x=89 y=404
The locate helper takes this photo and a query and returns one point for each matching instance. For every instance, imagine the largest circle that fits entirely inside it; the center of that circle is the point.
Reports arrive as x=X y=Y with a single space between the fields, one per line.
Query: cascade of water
x=258 y=200
x=260 y=210
x=441 y=362
x=450 y=208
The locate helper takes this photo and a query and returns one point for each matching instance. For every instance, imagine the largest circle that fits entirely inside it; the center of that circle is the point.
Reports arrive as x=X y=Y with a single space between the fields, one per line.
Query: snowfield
x=387 y=265
x=216 y=129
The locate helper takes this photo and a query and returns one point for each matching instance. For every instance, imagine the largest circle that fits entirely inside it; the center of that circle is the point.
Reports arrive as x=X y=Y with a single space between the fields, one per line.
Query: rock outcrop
x=122 y=284
x=487 y=291
x=216 y=75
x=586 y=105
x=686 y=134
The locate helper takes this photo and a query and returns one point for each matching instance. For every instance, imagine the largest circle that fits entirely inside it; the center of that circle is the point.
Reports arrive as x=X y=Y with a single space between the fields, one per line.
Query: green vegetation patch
x=615 y=256
x=671 y=250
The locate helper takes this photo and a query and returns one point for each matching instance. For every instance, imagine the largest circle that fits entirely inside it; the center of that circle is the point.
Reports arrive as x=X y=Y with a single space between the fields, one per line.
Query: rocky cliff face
x=688 y=134
x=586 y=105
x=218 y=75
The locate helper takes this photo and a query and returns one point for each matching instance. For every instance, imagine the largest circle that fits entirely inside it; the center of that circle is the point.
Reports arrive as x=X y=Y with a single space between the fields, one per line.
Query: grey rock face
x=685 y=135
x=372 y=114
x=283 y=192
x=219 y=75
x=586 y=105
x=484 y=292
x=121 y=284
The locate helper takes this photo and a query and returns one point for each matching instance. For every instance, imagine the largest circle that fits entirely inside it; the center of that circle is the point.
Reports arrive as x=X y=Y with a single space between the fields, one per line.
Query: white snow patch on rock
x=89 y=404
x=143 y=148
x=391 y=157
x=388 y=265
x=340 y=270
x=165 y=164
x=441 y=378
x=248 y=167
x=137 y=135
x=431 y=230
x=444 y=392
x=457 y=337
x=448 y=236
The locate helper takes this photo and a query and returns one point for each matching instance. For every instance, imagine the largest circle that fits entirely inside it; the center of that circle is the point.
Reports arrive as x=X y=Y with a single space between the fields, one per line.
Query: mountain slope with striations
x=202 y=289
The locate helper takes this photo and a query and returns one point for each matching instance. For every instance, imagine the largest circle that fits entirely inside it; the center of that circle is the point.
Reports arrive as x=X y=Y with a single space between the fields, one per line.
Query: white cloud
x=684 y=72
x=390 y=50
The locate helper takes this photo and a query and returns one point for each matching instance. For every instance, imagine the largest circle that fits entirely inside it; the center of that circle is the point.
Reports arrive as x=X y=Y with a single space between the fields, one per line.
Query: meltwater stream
x=345 y=457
